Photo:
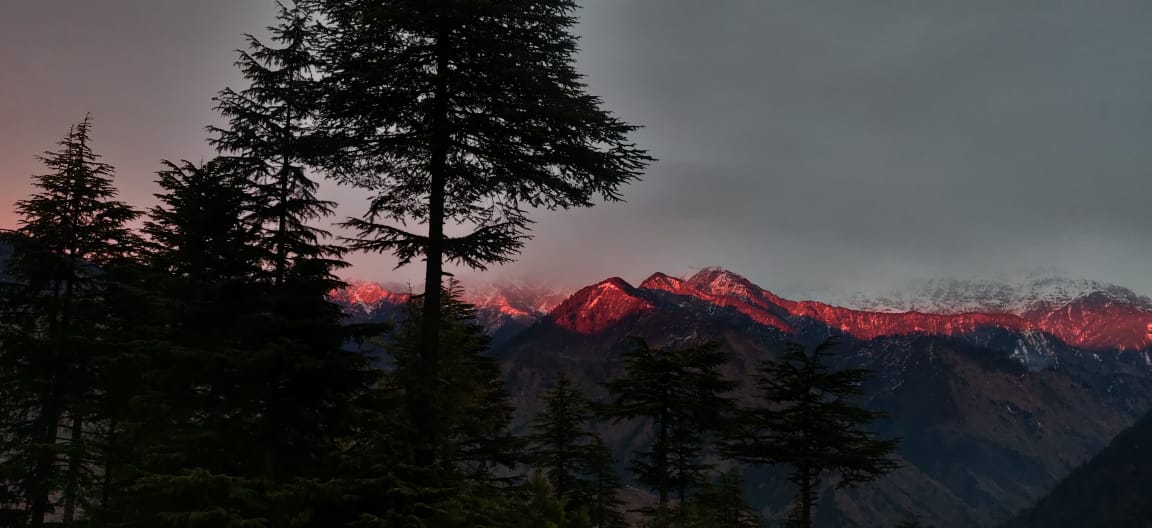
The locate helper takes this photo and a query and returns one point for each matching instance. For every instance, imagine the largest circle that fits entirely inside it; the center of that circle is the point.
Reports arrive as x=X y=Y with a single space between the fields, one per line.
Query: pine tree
x=543 y=507
x=806 y=420
x=605 y=510
x=253 y=401
x=268 y=126
x=461 y=113
x=72 y=231
x=187 y=424
x=560 y=441
x=266 y=138
x=574 y=458
x=681 y=392
x=473 y=484
x=197 y=237
x=719 y=503
x=259 y=358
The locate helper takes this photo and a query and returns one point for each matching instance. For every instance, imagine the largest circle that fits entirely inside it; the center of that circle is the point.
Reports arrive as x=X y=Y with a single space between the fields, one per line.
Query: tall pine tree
x=190 y=451
x=681 y=392
x=720 y=503
x=473 y=483
x=253 y=402
x=266 y=138
x=574 y=458
x=459 y=115
x=806 y=419
x=73 y=230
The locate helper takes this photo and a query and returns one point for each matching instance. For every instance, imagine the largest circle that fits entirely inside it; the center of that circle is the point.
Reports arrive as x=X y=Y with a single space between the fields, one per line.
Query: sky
x=814 y=146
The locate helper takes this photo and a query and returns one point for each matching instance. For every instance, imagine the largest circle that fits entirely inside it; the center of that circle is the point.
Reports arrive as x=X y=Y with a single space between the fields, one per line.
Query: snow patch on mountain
x=953 y=296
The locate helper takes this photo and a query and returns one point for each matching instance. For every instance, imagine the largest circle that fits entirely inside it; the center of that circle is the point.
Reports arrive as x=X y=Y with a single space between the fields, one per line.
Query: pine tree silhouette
x=806 y=420
x=466 y=114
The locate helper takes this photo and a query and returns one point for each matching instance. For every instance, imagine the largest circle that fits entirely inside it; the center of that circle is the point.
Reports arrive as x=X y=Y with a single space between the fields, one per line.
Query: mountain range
x=998 y=390
x=1032 y=292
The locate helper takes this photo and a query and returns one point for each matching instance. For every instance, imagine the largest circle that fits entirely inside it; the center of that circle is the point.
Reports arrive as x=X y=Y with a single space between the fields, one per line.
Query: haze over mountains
x=998 y=390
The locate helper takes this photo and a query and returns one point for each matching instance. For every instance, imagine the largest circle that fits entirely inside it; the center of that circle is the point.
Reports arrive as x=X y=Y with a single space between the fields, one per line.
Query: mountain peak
x=368 y=296
x=1081 y=313
x=719 y=281
x=660 y=281
x=615 y=282
x=595 y=308
x=1035 y=293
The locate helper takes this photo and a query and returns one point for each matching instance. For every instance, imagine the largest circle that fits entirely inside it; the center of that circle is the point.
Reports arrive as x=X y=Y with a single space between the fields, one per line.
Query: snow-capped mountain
x=502 y=308
x=1081 y=313
x=363 y=299
x=998 y=388
x=994 y=406
x=1038 y=292
x=525 y=303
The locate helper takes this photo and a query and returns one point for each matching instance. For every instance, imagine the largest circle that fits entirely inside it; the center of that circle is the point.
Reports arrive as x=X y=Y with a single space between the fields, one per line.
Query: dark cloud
x=811 y=145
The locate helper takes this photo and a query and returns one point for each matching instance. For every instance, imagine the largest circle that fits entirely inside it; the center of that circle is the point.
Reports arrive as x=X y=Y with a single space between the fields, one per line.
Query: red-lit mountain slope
x=362 y=298
x=995 y=405
x=994 y=408
x=1096 y=321
x=1084 y=314
x=504 y=309
x=600 y=306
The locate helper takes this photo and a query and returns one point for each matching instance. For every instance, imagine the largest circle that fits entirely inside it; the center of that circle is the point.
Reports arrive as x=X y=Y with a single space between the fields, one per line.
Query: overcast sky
x=813 y=146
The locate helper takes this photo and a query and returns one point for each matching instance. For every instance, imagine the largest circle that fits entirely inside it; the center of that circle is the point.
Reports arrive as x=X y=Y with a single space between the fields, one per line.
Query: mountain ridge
x=994 y=409
x=1085 y=314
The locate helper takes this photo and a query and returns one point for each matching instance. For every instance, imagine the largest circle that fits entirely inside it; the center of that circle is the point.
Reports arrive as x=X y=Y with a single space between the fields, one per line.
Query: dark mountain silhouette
x=1111 y=490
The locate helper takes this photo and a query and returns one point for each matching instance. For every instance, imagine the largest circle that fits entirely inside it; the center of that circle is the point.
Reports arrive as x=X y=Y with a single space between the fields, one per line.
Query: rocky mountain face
x=995 y=405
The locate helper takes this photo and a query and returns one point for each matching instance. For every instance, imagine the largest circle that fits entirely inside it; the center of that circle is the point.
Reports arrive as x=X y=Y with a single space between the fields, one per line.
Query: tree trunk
x=561 y=476
x=680 y=477
x=109 y=462
x=805 y=496
x=282 y=214
x=662 y=456
x=52 y=410
x=425 y=417
x=600 y=501
x=72 y=480
x=45 y=460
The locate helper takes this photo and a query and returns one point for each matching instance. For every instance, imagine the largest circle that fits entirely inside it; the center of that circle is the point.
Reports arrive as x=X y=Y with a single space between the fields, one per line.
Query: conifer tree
x=606 y=508
x=255 y=397
x=681 y=392
x=544 y=508
x=806 y=420
x=473 y=485
x=265 y=139
x=73 y=230
x=575 y=460
x=560 y=441
x=196 y=234
x=719 y=503
x=187 y=422
x=459 y=116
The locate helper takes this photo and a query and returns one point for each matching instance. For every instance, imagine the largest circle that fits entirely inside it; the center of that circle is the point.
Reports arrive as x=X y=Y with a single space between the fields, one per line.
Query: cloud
x=808 y=144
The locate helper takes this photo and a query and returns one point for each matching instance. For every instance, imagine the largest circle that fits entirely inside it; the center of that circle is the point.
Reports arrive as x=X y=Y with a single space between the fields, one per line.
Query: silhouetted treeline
x=194 y=373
